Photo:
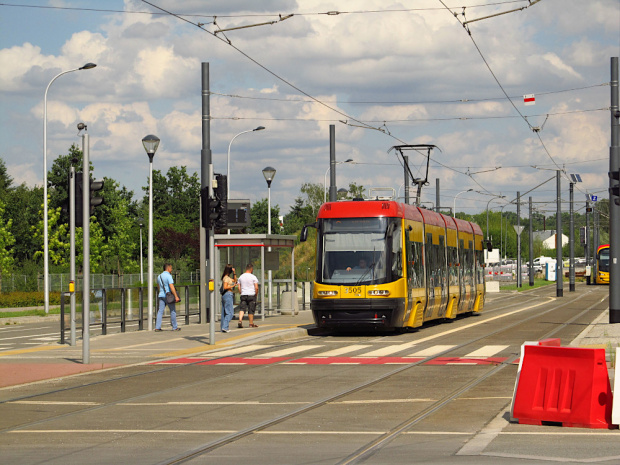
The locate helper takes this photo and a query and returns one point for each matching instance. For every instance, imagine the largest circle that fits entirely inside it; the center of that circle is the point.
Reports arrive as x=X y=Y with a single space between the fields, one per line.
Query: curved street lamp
x=350 y=160
x=494 y=198
x=46 y=252
x=150 y=143
x=454 y=206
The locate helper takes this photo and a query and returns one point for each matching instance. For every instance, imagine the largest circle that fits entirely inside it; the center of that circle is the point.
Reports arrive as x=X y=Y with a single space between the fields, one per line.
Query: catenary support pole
x=519 y=274
x=614 y=210
x=559 y=273
x=406 y=163
x=571 y=242
x=531 y=239
x=207 y=243
x=437 y=196
x=588 y=262
x=333 y=190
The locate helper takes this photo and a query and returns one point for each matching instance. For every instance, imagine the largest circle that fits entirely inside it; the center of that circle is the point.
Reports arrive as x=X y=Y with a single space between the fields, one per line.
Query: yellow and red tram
x=392 y=265
x=602 y=264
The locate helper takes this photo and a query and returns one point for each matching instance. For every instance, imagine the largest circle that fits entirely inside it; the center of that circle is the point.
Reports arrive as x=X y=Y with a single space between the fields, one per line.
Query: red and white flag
x=529 y=99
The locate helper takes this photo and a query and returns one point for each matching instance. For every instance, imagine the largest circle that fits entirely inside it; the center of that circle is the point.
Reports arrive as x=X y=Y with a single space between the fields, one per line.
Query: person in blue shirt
x=166 y=284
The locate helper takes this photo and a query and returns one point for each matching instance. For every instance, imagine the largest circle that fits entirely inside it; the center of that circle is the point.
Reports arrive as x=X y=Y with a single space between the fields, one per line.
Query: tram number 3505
x=355 y=290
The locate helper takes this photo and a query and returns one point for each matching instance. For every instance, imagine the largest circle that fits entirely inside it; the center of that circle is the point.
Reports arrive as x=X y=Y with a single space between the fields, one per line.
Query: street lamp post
x=46 y=253
x=454 y=206
x=269 y=173
x=350 y=160
x=259 y=128
x=494 y=198
x=150 y=143
x=141 y=220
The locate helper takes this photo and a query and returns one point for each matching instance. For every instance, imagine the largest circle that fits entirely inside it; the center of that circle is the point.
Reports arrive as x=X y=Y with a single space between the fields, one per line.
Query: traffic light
x=221 y=196
x=79 y=192
x=95 y=201
x=614 y=189
x=214 y=210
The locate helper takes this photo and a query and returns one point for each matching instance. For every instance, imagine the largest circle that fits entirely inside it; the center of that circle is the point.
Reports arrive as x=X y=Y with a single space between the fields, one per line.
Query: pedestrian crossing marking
x=389 y=350
x=287 y=351
x=383 y=356
x=429 y=352
x=341 y=351
x=237 y=350
x=486 y=351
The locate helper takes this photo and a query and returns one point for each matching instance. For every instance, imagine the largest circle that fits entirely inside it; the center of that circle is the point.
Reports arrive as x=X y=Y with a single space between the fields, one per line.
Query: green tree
x=6 y=243
x=58 y=179
x=355 y=191
x=120 y=246
x=299 y=215
x=58 y=241
x=258 y=214
x=175 y=195
x=314 y=196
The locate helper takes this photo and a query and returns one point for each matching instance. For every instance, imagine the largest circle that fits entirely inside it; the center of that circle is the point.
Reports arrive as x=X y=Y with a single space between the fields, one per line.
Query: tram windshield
x=603 y=260
x=353 y=251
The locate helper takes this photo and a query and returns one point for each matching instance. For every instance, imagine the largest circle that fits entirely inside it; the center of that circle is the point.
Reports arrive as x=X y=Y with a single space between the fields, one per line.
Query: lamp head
x=89 y=66
x=260 y=128
x=269 y=173
x=150 y=143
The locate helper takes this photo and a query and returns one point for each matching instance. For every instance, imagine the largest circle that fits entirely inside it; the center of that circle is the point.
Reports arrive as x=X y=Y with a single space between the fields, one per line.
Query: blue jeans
x=228 y=310
x=160 y=313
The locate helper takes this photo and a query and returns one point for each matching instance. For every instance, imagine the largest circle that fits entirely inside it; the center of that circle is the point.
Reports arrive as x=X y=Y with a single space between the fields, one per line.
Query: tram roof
x=369 y=208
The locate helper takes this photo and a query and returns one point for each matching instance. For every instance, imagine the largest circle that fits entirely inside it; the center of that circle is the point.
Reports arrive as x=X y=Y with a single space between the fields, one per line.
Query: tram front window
x=603 y=260
x=353 y=251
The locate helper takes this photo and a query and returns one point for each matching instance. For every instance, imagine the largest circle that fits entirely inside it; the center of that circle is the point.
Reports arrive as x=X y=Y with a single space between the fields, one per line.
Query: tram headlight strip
x=328 y=293
x=379 y=292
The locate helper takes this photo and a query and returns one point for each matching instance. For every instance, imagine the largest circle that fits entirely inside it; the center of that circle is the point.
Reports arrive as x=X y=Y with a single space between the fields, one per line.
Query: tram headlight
x=328 y=293
x=379 y=292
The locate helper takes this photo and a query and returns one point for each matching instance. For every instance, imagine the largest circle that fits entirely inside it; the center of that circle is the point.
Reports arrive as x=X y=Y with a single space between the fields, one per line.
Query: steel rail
x=233 y=437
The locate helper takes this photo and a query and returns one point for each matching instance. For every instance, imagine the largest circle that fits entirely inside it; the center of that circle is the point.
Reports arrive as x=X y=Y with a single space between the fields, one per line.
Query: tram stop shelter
x=244 y=248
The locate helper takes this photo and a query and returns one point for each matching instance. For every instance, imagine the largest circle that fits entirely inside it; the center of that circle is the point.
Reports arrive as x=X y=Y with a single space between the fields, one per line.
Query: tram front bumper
x=387 y=313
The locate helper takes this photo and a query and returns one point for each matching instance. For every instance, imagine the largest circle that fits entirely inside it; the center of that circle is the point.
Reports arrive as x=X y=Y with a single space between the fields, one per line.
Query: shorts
x=248 y=304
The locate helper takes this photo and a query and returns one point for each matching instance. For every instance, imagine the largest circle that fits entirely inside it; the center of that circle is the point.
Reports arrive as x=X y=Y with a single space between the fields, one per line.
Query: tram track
x=376 y=444
x=359 y=455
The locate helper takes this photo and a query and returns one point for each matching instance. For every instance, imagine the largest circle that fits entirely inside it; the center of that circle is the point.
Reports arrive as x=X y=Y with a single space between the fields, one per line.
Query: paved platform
x=53 y=360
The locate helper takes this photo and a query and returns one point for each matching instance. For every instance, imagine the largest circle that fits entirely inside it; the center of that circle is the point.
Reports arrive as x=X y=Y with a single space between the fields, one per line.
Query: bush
x=27 y=299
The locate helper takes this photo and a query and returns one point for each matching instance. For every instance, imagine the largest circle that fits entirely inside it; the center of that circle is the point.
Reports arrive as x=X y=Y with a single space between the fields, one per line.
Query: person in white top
x=249 y=290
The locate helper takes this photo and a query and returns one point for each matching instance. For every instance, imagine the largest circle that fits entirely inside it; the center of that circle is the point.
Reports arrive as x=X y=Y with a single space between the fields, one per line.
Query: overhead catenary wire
x=406 y=102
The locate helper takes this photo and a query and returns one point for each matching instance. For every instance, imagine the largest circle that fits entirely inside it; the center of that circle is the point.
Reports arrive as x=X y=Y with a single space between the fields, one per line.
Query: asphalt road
x=440 y=395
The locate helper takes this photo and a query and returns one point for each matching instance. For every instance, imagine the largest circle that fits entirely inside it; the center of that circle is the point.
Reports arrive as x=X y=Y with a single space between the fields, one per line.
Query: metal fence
x=120 y=307
x=59 y=282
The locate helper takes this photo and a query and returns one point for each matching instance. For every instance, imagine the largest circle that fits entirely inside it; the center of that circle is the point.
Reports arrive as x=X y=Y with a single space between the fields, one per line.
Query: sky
x=384 y=73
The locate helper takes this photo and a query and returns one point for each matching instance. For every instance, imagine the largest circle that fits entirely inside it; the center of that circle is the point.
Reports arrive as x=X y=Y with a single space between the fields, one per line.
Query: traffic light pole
x=72 y=249
x=614 y=208
x=86 y=249
x=207 y=242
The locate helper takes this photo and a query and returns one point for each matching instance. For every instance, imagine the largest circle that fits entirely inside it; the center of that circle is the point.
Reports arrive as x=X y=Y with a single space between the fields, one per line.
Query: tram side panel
x=416 y=273
x=478 y=268
x=452 y=266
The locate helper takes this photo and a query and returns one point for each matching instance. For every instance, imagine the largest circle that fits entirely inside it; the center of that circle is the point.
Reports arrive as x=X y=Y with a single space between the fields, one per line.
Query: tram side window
x=441 y=260
x=479 y=267
x=415 y=263
x=453 y=268
x=397 y=254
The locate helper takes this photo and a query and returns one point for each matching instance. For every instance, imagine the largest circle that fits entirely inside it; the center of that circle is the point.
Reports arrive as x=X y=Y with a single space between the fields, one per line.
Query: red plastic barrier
x=553 y=342
x=567 y=385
